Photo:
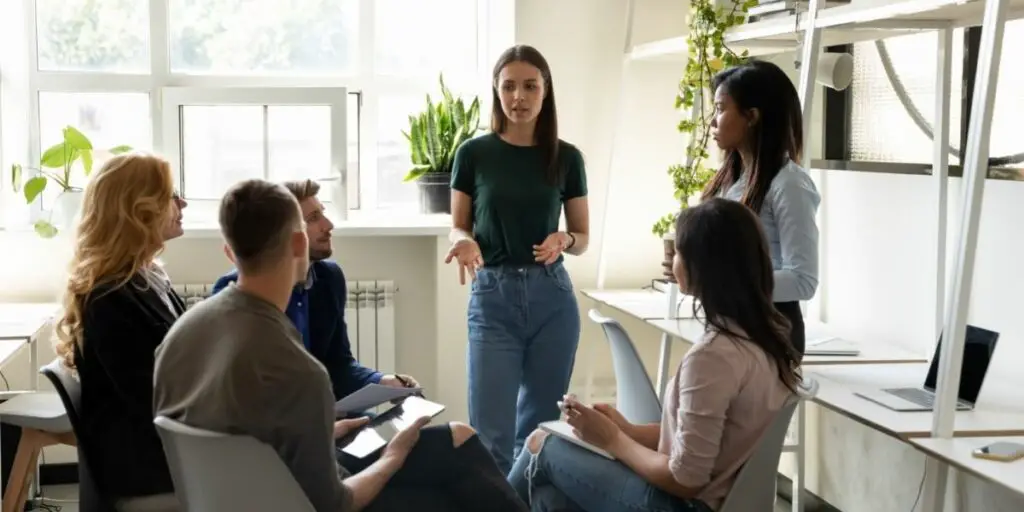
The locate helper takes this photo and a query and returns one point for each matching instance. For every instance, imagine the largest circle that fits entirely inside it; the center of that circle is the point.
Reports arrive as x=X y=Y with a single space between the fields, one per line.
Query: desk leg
x=33 y=383
x=663 y=360
x=801 y=443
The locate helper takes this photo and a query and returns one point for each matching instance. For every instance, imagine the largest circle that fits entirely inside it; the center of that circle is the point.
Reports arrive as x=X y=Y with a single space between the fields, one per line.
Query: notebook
x=564 y=430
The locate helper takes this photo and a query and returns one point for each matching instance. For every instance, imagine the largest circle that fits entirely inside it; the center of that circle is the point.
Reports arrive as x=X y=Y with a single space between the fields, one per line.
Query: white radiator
x=369 y=314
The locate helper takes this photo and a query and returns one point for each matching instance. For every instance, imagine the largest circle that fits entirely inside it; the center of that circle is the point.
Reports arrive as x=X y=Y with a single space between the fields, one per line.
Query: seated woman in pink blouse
x=726 y=392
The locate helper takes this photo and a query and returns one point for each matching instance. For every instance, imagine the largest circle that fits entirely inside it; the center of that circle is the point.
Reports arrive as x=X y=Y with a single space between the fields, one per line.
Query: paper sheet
x=370 y=396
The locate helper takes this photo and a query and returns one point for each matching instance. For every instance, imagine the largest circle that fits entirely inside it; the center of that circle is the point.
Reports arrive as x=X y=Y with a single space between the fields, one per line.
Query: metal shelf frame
x=865 y=20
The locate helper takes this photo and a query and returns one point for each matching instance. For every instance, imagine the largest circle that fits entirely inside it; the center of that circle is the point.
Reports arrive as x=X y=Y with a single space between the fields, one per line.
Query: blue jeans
x=524 y=327
x=566 y=478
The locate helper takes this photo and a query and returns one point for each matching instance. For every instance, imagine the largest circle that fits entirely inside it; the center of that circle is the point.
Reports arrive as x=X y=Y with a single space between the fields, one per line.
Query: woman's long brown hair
x=775 y=138
x=727 y=267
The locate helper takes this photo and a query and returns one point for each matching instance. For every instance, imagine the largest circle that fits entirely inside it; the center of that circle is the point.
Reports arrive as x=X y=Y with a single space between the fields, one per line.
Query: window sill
x=358 y=224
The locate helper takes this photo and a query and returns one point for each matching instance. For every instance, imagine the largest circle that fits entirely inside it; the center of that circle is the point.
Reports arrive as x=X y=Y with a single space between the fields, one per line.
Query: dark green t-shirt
x=514 y=208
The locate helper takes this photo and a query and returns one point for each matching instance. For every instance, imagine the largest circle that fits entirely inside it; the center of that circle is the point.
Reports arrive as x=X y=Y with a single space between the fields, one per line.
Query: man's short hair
x=257 y=219
x=302 y=189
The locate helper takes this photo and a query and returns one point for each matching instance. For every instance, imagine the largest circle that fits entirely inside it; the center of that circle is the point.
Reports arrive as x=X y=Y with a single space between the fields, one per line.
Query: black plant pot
x=435 y=192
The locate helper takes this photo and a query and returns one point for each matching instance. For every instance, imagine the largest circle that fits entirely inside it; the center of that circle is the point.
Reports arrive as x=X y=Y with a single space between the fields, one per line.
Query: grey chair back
x=92 y=496
x=754 y=487
x=635 y=396
x=214 y=472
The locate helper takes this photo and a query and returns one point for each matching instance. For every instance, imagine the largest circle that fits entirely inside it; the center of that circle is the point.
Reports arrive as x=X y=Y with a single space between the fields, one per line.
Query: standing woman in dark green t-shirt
x=509 y=188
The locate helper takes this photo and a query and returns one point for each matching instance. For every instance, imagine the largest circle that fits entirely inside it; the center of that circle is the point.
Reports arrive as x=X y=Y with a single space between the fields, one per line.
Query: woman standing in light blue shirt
x=758 y=123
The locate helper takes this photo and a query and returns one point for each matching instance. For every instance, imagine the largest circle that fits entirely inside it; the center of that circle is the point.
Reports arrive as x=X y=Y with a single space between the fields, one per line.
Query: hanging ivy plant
x=708 y=54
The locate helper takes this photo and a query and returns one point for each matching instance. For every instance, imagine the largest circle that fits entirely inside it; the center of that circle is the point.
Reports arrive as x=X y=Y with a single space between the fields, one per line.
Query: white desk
x=998 y=412
x=644 y=304
x=957 y=453
x=690 y=330
x=20 y=326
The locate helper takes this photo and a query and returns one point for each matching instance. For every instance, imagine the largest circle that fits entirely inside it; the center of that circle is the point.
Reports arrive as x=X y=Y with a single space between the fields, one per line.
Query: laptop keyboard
x=918 y=396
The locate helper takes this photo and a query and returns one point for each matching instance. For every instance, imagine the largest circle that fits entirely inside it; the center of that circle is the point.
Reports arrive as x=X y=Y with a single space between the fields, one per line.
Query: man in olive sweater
x=235 y=362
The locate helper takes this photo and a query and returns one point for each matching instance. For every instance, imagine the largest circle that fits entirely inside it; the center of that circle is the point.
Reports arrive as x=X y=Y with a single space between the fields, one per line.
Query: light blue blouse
x=788 y=218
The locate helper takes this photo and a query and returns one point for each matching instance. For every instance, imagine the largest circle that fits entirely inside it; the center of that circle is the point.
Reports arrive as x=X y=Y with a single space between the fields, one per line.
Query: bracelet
x=572 y=240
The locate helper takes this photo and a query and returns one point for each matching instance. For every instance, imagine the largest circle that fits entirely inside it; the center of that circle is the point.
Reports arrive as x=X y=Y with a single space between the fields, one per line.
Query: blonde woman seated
x=118 y=306
x=721 y=401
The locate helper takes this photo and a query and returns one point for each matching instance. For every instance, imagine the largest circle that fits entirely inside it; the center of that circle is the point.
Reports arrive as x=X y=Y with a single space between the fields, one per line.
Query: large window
x=881 y=128
x=877 y=113
x=234 y=89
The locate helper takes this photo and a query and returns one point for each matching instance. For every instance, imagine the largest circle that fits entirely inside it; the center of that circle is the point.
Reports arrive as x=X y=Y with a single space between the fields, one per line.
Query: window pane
x=352 y=112
x=300 y=142
x=263 y=36
x=425 y=37
x=393 y=156
x=107 y=119
x=93 y=35
x=882 y=130
x=1005 y=135
x=225 y=144
x=221 y=145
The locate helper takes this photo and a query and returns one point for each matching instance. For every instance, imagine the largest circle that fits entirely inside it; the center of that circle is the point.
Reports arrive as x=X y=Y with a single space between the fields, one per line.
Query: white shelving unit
x=868 y=20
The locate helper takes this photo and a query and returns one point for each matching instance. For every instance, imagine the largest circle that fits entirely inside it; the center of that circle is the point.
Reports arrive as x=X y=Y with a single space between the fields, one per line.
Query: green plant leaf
x=117 y=150
x=86 y=155
x=76 y=139
x=416 y=172
x=34 y=187
x=55 y=157
x=16 y=172
x=435 y=134
x=45 y=229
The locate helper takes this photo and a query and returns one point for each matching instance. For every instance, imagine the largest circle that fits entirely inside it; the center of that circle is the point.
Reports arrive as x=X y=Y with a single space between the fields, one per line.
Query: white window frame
x=495 y=32
x=174 y=98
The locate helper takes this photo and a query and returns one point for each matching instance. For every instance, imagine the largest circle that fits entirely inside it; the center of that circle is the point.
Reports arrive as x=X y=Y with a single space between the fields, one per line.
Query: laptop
x=978 y=348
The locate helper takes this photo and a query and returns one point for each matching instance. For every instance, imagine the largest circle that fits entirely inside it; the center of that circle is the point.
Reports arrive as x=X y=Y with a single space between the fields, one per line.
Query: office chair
x=214 y=472
x=91 y=497
x=636 y=398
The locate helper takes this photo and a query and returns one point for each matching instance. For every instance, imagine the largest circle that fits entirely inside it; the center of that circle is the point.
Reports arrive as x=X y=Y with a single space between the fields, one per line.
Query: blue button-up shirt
x=788 y=217
x=298 y=308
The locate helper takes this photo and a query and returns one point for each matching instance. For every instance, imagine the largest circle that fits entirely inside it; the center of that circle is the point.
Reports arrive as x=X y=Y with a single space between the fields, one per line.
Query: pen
x=405 y=382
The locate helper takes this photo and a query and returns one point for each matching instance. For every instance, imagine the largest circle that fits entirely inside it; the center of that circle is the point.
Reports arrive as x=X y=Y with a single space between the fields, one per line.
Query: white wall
x=879 y=273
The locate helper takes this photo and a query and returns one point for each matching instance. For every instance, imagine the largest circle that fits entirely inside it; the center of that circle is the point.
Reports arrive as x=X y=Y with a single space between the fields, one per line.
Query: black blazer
x=328 y=333
x=121 y=330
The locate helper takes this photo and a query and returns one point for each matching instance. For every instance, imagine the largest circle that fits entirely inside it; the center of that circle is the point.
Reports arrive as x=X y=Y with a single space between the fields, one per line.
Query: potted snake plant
x=434 y=135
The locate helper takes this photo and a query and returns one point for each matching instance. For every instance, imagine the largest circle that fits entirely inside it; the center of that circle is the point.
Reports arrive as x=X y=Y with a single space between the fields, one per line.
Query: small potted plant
x=434 y=135
x=708 y=54
x=56 y=165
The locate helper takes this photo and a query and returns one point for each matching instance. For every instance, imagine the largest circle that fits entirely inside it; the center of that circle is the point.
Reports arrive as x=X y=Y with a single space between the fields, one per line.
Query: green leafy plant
x=56 y=165
x=437 y=132
x=708 y=54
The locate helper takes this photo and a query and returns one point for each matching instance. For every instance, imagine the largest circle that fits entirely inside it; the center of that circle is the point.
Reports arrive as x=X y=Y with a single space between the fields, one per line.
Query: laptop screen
x=978 y=347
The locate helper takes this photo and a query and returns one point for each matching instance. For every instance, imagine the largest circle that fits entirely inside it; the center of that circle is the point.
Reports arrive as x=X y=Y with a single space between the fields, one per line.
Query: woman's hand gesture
x=551 y=248
x=467 y=253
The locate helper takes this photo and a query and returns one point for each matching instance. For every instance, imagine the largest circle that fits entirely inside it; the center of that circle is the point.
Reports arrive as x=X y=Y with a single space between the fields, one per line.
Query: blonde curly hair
x=125 y=208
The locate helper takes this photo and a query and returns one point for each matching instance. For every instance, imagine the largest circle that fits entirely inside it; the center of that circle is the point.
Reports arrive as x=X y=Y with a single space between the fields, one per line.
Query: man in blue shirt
x=317 y=305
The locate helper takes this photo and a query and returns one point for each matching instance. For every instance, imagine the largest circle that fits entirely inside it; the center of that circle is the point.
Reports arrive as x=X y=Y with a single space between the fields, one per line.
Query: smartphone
x=1002 y=451
x=378 y=432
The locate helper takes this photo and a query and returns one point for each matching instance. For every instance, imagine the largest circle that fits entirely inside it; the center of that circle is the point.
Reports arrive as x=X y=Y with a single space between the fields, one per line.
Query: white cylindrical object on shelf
x=835 y=70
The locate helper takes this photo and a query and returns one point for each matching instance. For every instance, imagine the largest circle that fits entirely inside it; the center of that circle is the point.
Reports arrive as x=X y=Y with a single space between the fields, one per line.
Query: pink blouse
x=721 y=400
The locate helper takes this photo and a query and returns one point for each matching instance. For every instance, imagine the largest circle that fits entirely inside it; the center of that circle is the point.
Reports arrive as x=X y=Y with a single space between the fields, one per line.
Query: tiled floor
x=64 y=496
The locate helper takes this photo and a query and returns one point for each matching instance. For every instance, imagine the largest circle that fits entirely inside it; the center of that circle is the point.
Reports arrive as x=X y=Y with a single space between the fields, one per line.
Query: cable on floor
x=920 y=487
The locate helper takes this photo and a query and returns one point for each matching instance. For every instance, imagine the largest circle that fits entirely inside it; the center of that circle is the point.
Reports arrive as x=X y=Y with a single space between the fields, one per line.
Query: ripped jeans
x=566 y=478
